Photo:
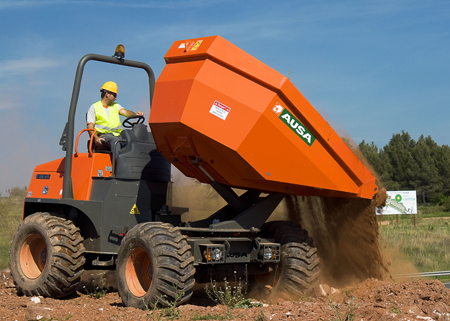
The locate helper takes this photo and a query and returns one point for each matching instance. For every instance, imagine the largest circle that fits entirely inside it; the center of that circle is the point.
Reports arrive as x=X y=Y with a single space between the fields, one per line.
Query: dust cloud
x=201 y=199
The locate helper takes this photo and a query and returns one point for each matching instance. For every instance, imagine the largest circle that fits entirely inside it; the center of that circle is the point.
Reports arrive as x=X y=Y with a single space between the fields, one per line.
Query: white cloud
x=27 y=65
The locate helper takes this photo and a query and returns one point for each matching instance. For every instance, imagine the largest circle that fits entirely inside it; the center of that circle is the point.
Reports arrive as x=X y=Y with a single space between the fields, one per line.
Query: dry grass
x=425 y=245
x=10 y=216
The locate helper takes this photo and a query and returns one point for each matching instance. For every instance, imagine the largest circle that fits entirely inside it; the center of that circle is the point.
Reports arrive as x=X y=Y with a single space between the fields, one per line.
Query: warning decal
x=220 y=110
x=134 y=210
x=197 y=44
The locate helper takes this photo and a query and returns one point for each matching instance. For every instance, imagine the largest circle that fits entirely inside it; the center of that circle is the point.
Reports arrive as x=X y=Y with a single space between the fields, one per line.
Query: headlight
x=270 y=252
x=214 y=253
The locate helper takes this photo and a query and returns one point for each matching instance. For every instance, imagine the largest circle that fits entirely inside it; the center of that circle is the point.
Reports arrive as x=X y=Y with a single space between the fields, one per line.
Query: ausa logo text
x=294 y=124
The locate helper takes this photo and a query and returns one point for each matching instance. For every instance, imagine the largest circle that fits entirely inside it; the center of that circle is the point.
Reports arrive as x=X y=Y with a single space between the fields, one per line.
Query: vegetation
x=233 y=296
x=343 y=313
x=424 y=243
x=395 y=310
x=171 y=312
x=11 y=215
x=406 y=164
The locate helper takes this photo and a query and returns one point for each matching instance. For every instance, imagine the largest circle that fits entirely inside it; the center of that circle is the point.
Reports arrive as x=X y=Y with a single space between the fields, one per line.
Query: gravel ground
x=370 y=300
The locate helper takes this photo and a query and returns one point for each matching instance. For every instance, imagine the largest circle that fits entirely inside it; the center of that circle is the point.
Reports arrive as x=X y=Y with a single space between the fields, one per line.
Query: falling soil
x=345 y=232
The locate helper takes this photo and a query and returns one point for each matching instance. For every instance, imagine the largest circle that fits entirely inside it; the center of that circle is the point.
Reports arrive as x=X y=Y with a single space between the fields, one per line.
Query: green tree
x=370 y=152
x=380 y=162
x=426 y=180
x=404 y=166
x=442 y=162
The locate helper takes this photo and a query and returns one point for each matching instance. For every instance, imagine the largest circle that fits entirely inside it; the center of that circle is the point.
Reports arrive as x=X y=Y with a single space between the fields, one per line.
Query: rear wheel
x=298 y=271
x=46 y=256
x=155 y=266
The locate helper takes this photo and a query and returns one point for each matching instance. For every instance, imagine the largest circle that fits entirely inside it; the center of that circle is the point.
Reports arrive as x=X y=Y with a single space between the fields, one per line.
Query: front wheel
x=298 y=271
x=46 y=256
x=154 y=266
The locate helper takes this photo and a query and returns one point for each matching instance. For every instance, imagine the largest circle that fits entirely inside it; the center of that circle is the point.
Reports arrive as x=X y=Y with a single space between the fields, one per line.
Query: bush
x=17 y=192
x=446 y=205
x=439 y=199
x=232 y=296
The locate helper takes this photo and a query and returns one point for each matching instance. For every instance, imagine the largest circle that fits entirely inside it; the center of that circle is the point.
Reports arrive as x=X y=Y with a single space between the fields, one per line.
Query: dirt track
x=370 y=300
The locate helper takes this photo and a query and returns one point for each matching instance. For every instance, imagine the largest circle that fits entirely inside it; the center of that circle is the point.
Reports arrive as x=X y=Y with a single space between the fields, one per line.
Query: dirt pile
x=371 y=300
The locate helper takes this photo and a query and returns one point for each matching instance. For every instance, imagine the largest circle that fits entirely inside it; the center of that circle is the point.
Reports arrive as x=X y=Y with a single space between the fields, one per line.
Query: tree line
x=406 y=164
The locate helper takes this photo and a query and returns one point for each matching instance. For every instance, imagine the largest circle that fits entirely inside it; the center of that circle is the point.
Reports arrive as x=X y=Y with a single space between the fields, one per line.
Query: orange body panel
x=248 y=125
x=47 y=179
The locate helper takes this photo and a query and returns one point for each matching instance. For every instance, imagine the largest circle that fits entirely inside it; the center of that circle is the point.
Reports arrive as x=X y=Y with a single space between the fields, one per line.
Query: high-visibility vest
x=103 y=124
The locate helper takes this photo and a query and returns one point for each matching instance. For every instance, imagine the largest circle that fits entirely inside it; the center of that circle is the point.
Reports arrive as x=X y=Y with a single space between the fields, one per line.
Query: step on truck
x=220 y=116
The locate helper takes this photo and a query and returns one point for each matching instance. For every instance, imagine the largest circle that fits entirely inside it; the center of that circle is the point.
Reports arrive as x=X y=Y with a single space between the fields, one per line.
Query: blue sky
x=371 y=68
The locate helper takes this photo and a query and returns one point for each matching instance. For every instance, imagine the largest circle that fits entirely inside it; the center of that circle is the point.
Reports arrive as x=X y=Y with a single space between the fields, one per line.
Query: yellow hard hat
x=110 y=86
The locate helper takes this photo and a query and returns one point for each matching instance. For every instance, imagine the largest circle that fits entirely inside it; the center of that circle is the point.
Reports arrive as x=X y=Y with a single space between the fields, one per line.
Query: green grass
x=432 y=211
x=10 y=216
x=425 y=244
x=427 y=211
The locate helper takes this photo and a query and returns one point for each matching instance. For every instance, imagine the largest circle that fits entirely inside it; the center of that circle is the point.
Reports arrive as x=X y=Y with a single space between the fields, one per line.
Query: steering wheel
x=128 y=124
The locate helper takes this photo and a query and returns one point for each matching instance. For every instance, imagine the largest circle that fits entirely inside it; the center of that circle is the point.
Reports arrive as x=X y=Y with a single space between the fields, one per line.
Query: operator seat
x=139 y=158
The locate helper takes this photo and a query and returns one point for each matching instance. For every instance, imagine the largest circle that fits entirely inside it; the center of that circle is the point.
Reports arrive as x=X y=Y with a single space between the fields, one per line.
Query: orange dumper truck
x=220 y=116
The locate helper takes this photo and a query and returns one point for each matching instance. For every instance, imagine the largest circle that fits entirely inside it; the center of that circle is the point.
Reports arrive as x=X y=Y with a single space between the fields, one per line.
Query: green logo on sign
x=294 y=124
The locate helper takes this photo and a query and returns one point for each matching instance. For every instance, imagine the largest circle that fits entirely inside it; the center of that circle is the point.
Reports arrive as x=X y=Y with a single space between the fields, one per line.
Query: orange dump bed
x=219 y=113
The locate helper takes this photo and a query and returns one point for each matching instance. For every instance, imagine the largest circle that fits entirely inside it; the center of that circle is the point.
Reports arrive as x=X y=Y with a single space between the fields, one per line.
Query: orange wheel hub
x=138 y=271
x=33 y=256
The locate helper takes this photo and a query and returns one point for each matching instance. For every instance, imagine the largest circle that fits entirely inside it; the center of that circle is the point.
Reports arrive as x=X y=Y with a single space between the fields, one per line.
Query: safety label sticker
x=197 y=44
x=134 y=210
x=220 y=110
x=293 y=123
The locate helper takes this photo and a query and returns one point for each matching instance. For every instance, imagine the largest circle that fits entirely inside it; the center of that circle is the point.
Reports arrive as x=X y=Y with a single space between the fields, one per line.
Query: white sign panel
x=220 y=110
x=399 y=202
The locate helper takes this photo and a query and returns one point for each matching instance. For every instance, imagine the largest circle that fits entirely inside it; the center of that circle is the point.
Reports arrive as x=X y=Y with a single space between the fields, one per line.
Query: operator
x=104 y=117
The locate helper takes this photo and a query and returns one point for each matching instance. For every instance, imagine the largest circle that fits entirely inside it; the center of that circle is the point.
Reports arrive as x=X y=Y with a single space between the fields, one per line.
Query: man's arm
x=129 y=113
x=90 y=123
x=98 y=140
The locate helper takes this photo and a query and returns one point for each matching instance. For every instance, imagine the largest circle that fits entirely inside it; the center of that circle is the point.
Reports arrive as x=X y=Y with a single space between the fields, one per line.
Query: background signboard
x=399 y=202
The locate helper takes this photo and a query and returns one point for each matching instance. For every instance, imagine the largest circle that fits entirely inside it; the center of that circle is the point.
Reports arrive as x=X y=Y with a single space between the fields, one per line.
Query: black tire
x=155 y=267
x=298 y=271
x=46 y=256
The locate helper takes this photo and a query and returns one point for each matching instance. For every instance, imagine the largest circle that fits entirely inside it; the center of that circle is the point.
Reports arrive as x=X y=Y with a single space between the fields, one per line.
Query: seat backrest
x=139 y=158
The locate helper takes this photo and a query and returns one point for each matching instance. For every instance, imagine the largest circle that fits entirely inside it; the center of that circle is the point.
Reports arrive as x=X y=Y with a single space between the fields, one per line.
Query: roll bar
x=67 y=136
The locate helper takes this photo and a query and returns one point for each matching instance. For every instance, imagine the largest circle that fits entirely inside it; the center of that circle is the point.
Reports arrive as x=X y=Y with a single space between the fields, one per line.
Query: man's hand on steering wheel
x=127 y=123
